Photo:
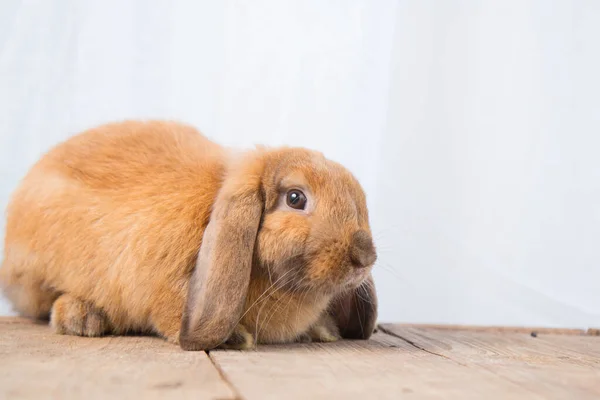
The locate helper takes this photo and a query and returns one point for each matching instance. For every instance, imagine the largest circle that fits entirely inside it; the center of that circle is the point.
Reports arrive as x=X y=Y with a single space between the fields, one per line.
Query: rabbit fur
x=149 y=227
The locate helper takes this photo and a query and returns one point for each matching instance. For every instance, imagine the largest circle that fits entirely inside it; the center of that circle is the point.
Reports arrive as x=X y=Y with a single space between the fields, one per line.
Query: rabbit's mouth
x=357 y=276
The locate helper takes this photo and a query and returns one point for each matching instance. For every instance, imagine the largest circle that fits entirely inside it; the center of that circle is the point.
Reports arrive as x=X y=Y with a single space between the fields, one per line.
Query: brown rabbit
x=150 y=227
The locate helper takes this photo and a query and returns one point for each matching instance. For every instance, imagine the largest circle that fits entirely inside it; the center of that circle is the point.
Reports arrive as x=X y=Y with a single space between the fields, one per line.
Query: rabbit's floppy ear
x=356 y=311
x=219 y=284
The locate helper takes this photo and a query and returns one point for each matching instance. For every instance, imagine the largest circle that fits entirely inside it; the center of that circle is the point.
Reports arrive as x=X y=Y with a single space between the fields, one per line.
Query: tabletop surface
x=400 y=361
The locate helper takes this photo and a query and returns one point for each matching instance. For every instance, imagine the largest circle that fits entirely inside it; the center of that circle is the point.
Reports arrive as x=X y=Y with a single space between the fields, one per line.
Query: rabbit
x=150 y=227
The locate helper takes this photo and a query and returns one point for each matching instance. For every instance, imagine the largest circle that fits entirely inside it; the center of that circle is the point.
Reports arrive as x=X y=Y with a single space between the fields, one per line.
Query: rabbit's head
x=296 y=216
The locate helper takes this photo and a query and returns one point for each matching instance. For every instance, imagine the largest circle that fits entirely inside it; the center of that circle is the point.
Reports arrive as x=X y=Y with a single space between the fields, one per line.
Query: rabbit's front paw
x=321 y=333
x=240 y=339
x=324 y=330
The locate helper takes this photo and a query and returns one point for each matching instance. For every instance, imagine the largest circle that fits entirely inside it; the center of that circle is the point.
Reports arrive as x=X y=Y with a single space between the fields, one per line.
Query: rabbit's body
x=107 y=227
x=103 y=226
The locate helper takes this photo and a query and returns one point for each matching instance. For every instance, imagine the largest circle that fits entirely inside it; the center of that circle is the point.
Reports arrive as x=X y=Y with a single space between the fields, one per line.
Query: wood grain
x=36 y=363
x=405 y=362
x=551 y=366
x=383 y=368
x=500 y=329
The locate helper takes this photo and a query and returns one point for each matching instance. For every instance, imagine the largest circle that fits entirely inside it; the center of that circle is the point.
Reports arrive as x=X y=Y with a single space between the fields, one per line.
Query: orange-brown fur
x=105 y=229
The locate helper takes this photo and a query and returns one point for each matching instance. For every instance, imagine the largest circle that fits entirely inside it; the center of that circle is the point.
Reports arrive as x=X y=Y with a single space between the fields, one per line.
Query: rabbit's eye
x=296 y=199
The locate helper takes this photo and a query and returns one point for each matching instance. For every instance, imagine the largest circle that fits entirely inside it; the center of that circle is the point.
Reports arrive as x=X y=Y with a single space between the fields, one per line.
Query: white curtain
x=474 y=126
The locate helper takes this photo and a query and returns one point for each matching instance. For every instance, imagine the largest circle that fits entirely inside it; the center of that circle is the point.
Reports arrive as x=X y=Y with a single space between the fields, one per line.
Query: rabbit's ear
x=219 y=284
x=356 y=311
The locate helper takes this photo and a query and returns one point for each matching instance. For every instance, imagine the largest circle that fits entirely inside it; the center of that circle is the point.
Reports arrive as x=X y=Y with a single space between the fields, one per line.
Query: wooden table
x=413 y=362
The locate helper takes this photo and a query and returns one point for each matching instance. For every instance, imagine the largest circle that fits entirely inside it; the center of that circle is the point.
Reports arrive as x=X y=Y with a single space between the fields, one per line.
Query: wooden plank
x=502 y=329
x=424 y=363
x=552 y=366
x=586 y=347
x=36 y=363
x=383 y=368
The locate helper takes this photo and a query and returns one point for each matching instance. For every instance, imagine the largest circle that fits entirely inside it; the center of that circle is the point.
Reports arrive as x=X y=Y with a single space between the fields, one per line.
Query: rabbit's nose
x=362 y=250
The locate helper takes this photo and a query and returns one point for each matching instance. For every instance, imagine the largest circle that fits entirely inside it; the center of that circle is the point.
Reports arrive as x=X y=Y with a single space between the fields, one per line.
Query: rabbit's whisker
x=265 y=303
x=272 y=314
x=303 y=296
x=263 y=294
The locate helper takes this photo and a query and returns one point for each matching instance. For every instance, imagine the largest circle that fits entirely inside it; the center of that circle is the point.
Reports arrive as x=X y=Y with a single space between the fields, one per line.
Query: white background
x=474 y=126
